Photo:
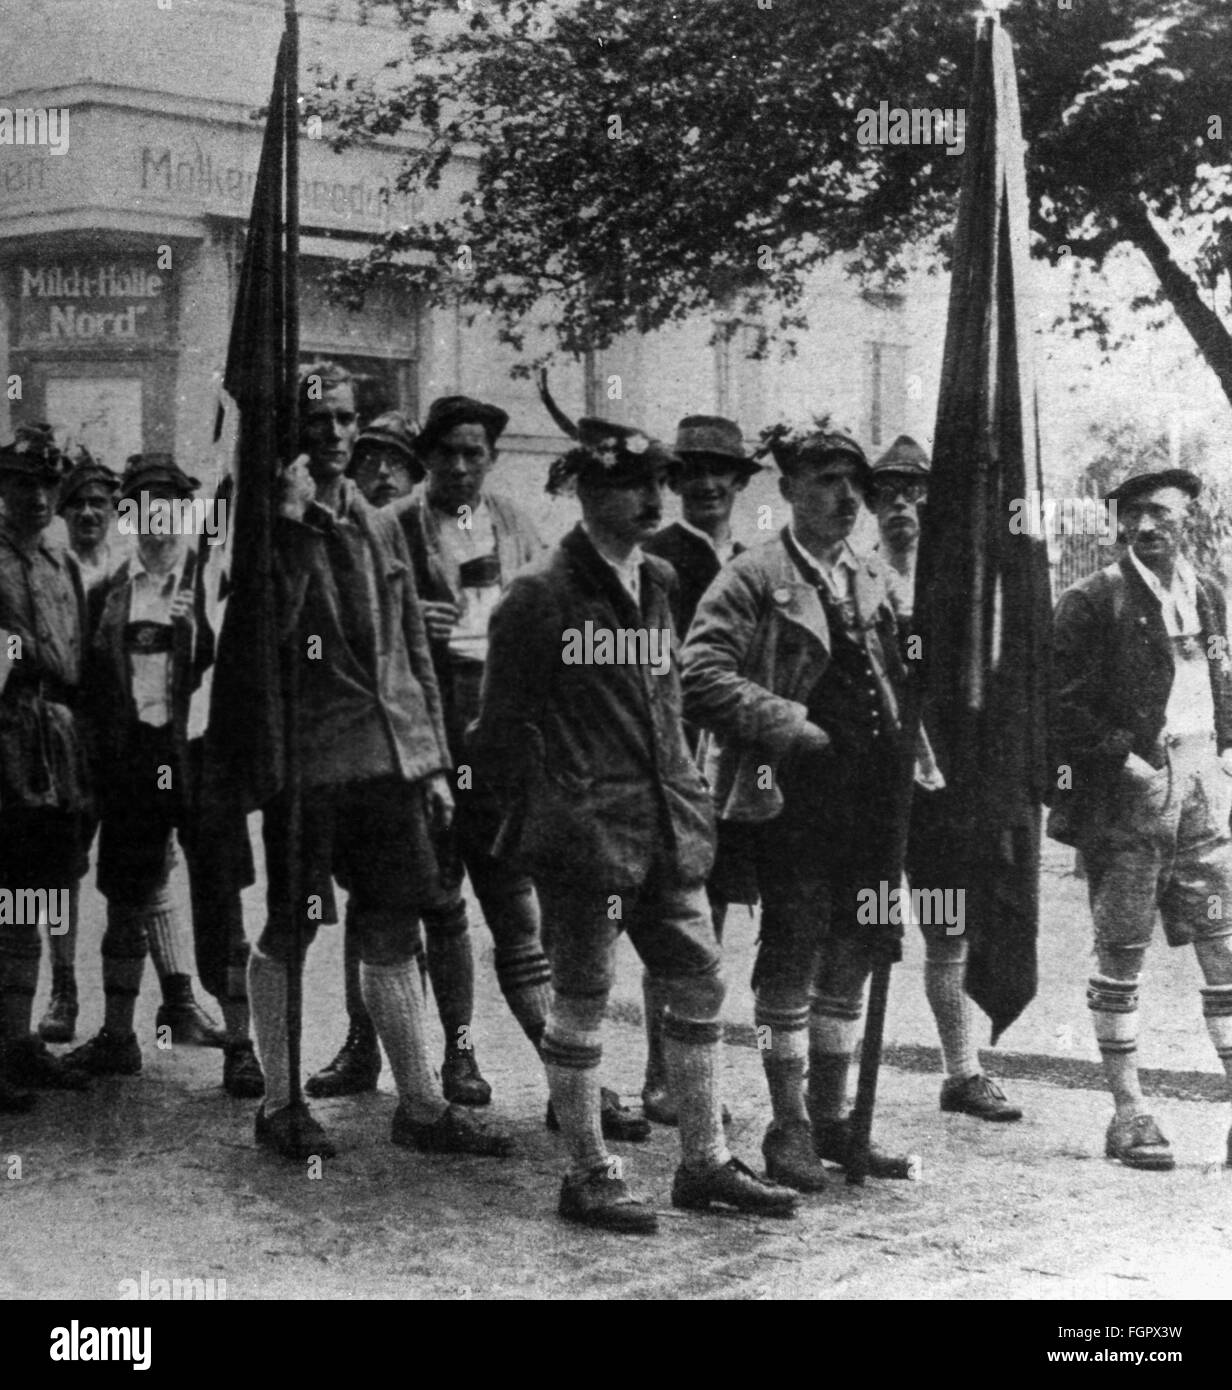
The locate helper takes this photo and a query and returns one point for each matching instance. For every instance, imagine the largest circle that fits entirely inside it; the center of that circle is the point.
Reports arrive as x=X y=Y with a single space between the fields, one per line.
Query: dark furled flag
x=983 y=607
x=245 y=751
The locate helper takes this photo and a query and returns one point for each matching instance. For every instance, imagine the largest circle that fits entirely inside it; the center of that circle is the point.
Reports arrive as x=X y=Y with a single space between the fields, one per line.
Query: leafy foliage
x=638 y=161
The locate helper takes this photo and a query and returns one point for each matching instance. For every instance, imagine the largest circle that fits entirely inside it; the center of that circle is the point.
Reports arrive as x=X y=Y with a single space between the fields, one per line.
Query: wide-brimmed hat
x=86 y=473
x=904 y=456
x=714 y=439
x=149 y=470
x=34 y=452
x=1189 y=483
x=392 y=430
x=447 y=411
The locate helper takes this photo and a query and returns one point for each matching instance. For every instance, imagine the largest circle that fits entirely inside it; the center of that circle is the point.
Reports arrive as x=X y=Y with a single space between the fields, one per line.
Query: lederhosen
x=833 y=833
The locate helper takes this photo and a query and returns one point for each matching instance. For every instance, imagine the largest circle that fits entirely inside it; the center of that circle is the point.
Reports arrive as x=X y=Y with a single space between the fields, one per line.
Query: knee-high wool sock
x=693 y=1050
x=572 y=1051
x=945 y=976
x=267 y=993
x=1114 y=1012
x=395 y=1000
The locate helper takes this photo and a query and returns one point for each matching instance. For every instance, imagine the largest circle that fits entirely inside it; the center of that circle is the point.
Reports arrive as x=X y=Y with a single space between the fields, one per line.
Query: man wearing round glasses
x=898 y=488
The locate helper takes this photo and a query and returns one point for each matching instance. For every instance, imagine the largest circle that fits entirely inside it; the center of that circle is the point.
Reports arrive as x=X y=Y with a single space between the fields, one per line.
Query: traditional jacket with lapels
x=590 y=754
x=759 y=645
x=1114 y=665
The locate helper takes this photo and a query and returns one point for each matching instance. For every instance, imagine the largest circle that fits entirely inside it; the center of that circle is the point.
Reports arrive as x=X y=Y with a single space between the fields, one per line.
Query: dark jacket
x=1112 y=675
x=44 y=751
x=369 y=702
x=759 y=644
x=695 y=563
x=591 y=760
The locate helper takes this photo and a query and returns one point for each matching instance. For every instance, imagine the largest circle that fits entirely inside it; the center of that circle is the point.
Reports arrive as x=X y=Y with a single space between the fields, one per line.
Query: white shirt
x=724 y=552
x=1179 y=603
x=469 y=637
x=838 y=577
x=152 y=596
x=628 y=571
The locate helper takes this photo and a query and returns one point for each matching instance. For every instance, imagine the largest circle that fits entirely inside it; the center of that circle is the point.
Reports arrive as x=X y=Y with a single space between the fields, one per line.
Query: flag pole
x=290 y=354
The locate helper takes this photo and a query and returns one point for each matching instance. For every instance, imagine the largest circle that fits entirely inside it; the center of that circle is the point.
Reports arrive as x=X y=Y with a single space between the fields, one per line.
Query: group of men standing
x=444 y=732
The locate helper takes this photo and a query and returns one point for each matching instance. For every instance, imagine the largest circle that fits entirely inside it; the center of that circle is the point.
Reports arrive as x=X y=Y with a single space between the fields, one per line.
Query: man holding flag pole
x=325 y=711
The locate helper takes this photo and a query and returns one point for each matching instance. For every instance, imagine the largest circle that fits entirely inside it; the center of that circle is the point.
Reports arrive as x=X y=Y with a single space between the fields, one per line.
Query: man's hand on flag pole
x=298 y=489
x=439 y=802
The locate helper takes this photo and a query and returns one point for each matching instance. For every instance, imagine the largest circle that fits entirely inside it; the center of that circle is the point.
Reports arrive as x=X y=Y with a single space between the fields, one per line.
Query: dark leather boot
x=190 y=1025
x=354 y=1070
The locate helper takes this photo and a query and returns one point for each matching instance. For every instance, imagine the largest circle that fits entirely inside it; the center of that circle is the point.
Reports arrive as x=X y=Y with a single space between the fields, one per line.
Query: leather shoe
x=13 y=1100
x=616 y=1121
x=456 y=1132
x=242 y=1076
x=977 y=1095
x=27 y=1062
x=832 y=1141
x=59 y=1022
x=603 y=1200
x=790 y=1160
x=1139 y=1143
x=190 y=1025
x=732 y=1185
x=292 y=1133
x=354 y=1070
x=461 y=1080
x=107 y=1054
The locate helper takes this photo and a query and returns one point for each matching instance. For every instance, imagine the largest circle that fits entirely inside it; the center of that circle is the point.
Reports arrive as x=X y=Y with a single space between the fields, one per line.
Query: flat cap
x=447 y=411
x=149 y=470
x=1189 y=483
x=33 y=452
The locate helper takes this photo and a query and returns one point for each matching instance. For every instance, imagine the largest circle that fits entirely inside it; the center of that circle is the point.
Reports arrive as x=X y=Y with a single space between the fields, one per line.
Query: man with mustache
x=899 y=490
x=793 y=663
x=1141 y=735
x=608 y=812
x=45 y=792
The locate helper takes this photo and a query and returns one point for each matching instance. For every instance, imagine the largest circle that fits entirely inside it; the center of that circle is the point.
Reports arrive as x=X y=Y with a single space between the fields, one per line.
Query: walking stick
x=861 y=1120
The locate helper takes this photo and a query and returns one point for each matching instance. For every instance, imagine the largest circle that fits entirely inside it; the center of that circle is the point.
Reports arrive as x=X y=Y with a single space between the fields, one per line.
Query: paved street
x=159 y=1173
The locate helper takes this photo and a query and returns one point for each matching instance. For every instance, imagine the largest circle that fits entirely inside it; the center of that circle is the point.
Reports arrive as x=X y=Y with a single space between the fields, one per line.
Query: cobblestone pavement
x=159 y=1173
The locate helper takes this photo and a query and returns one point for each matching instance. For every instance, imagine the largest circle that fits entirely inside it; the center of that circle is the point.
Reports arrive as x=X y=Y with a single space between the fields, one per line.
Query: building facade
x=119 y=260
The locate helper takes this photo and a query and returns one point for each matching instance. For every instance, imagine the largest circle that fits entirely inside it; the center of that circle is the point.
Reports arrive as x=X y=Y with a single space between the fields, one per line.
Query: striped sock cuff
x=838 y=1007
x=781 y=1020
x=1114 y=1011
x=1112 y=996
x=570 y=1053
x=1217 y=1009
x=698 y=1032
x=522 y=968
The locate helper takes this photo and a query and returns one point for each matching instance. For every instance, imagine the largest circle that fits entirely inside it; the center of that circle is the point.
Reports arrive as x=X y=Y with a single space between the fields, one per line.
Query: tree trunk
x=1206 y=328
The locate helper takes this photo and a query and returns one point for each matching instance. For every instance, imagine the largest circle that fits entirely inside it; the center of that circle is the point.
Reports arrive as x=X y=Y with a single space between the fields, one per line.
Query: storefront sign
x=193 y=173
x=69 y=302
